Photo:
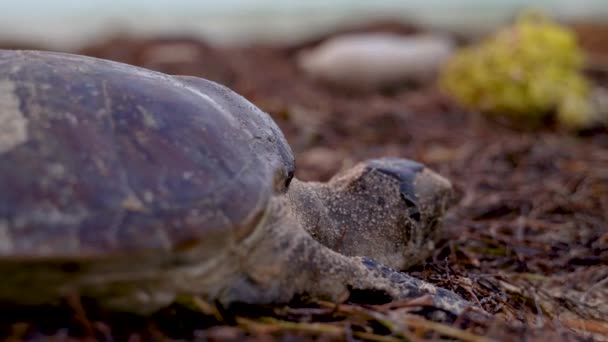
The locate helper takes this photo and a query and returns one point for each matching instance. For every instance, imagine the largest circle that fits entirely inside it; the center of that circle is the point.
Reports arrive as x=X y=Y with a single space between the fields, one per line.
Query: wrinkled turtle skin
x=133 y=187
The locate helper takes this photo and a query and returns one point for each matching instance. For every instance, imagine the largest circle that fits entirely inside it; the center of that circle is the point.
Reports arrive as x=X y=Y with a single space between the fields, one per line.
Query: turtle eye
x=414 y=214
x=413 y=211
x=407 y=199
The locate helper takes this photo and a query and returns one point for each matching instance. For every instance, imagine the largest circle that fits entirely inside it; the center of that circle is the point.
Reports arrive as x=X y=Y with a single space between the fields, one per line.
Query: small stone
x=376 y=60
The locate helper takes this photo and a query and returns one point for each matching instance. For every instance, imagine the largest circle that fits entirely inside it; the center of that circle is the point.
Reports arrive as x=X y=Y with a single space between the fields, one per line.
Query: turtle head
x=389 y=209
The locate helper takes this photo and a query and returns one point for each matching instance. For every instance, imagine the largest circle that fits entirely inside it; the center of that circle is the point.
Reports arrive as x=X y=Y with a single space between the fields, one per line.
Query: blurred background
x=349 y=80
x=70 y=23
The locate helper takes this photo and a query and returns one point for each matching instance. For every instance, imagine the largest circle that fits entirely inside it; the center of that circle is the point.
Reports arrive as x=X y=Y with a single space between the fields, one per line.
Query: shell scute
x=121 y=159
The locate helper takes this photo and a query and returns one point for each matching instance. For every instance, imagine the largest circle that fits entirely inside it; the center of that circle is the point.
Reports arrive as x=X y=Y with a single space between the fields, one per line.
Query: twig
x=592 y=326
x=597 y=285
x=206 y=308
x=269 y=325
x=446 y=330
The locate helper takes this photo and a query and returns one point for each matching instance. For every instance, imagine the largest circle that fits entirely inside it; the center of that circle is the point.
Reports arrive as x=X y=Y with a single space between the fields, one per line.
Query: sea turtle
x=132 y=187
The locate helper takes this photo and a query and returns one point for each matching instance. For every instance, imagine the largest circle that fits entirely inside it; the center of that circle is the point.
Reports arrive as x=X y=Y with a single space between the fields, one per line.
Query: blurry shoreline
x=266 y=21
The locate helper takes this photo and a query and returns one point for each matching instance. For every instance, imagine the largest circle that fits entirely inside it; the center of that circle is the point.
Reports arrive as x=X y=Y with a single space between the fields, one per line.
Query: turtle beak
x=433 y=193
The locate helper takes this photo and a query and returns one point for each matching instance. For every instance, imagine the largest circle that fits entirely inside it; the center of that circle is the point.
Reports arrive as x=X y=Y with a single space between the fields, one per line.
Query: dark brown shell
x=101 y=158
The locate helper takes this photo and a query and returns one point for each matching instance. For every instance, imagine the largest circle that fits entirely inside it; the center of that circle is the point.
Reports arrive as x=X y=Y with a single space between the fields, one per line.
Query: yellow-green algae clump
x=526 y=71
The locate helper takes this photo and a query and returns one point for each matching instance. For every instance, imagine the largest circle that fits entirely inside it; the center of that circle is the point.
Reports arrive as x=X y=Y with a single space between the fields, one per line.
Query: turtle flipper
x=281 y=260
x=363 y=273
x=403 y=286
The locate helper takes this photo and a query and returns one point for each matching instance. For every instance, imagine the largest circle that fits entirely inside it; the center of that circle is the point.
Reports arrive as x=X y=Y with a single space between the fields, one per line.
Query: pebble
x=376 y=60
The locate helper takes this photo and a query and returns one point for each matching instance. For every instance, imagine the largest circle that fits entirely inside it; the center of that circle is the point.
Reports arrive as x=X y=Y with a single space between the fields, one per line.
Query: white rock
x=373 y=60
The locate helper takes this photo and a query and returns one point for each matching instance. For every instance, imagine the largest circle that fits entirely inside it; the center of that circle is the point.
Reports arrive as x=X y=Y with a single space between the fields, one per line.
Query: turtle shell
x=102 y=158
